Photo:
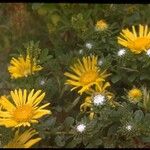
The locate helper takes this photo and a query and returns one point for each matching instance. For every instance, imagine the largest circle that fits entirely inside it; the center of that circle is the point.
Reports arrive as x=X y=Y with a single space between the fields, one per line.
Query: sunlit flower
x=81 y=128
x=22 y=109
x=121 y=52
x=98 y=99
x=135 y=94
x=89 y=45
x=101 y=25
x=148 y=52
x=22 y=67
x=86 y=74
x=23 y=140
x=135 y=42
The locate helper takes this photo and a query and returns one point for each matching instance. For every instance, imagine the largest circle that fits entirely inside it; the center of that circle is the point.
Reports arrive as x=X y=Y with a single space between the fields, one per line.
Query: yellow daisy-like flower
x=23 y=140
x=22 y=109
x=22 y=67
x=135 y=95
x=86 y=74
x=99 y=89
x=135 y=42
x=101 y=25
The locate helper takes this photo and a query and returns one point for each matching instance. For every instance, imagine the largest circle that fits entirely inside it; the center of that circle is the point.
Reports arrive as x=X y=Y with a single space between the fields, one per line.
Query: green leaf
x=138 y=116
x=69 y=121
x=112 y=130
x=146 y=139
x=144 y=76
x=71 y=144
x=132 y=77
x=115 y=78
x=59 y=141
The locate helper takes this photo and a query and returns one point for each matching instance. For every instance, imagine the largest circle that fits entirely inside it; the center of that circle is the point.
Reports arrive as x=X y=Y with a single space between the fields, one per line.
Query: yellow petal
x=6 y=104
x=32 y=142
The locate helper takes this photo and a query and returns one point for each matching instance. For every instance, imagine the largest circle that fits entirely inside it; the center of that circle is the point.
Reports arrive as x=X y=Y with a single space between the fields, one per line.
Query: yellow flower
x=135 y=95
x=101 y=25
x=101 y=88
x=23 y=140
x=87 y=105
x=86 y=74
x=22 y=109
x=135 y=42
x=88 y=102
x=21 y=67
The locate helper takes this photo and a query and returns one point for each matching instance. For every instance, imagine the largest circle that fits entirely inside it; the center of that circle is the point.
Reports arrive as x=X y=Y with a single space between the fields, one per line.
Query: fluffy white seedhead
x=81 y=128
x=99 y=100
x=88 y=45
x=128 y=127
x=81 y=51
x=100 y=62
x=42 y=82
x=121 y=52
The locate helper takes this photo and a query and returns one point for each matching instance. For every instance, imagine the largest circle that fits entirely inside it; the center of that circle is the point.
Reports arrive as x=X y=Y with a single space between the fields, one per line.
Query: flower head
x=86 y=74
x=22 y=67
x=128 y=127
x=22 y=109
x=88 y=45
x=135 y=42
x=98 y=99
x=101 y=25
x=81 y=128
x=23 y=140
x=134 y=94
x=121 y=52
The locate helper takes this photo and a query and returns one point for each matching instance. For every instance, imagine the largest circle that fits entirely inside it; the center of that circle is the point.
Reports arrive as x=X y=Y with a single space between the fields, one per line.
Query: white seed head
x=81 y=128
x=42 y=82
x=148 y=52
x=99 y=100
x=121 y=52
x=89 y=45
x=100 y=62
x=129 y=127
x=81 y=51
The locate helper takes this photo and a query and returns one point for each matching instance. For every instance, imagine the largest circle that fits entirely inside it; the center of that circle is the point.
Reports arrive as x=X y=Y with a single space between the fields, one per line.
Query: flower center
x=88 y=77
x=135 y=94
x=27 y=72
x=141 y=43
x=23 y=113
x=101 y=25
